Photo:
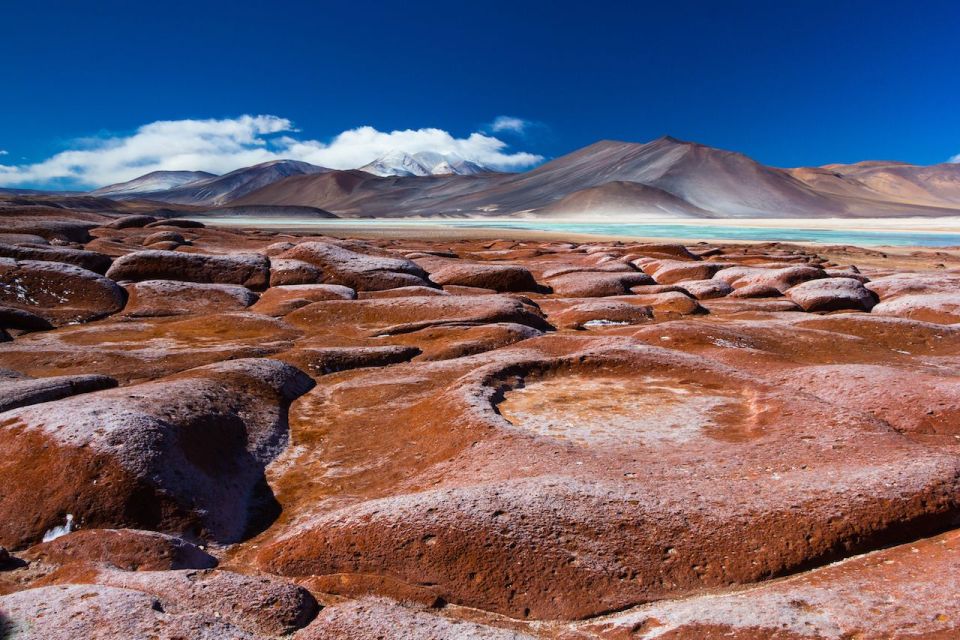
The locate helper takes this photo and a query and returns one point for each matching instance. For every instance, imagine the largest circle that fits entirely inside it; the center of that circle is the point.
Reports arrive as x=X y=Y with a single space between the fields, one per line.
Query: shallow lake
x=697 y=231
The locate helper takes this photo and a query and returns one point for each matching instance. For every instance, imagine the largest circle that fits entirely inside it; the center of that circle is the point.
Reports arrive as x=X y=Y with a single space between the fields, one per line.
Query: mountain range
x=664 y=177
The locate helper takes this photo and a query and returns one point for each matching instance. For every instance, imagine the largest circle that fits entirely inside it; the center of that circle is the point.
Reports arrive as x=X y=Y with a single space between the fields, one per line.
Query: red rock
x=939 y=308
x=588 y=496
x=172 y=298
x=126 y=549
x=281 y=300
x=672 y=302
x=59 y=293
x=250 y=270
x=758 y=290
x=89 y=260
x=184 y=454
x=130 y=222
x=179 y=223
x=601 y=313
x=597 y=284
x=901 y=284
x=24 y=392
x=164 y=236
x=394 y=316
x=104 y=613
x=293 y=272
x=379 y=618
x=499 y=277
x=320 y=361
x=22 y=320
x=707 y=289
x=674 y=271
x=357 y=270
x=406 y=292
x=778 y=278
x=886 y=594
x=832 y=294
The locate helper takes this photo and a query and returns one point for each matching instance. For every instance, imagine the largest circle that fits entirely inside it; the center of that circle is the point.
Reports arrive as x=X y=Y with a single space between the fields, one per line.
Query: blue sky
x=788 y=83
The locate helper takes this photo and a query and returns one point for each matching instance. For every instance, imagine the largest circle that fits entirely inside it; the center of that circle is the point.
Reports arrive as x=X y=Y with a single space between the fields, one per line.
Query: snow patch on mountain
x=424 y=163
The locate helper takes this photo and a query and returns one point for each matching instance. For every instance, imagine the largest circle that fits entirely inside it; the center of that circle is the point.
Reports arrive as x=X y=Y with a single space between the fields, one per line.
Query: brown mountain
x=667 y=177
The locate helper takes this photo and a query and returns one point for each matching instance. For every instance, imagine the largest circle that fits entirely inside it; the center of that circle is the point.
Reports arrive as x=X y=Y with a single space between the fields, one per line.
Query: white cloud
x=219 y=146
x=4 y=152
x=955 y=158
x=509 y=123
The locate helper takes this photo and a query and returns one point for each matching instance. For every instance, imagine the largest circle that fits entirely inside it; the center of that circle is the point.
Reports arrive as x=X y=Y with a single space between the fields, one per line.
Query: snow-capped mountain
x=154 y=181
x=424 y=163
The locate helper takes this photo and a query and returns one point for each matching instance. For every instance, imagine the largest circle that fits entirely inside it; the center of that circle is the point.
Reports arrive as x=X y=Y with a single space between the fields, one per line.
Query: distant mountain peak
x=424 y=163
x=153 y=181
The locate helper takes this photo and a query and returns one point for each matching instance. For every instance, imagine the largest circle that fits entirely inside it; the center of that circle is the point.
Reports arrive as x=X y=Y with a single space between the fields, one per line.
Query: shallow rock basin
x=614 y=411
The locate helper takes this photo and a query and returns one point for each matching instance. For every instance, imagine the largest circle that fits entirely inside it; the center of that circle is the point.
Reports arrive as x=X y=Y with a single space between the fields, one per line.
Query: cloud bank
x=220 y=146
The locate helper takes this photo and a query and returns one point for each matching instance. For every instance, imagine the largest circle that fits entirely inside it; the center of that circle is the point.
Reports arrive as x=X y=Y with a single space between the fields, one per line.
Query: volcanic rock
x=163 y=236
x=940 y=308
x=585 y=284
x=171 y=298
x=176 y=222
x=89 y=260
x=281 y=300
x=130 y=222
x=24 y=392
x=780 y=279
x=498 y=277
x=292 y=272
x=674 y=271
x=126 y=549
x=251 y=270
x=707 y=289
x=22 y=320
x=184 y=454
x=832 y=294
x=357 y=270
x=59 y=293
x=601 y=313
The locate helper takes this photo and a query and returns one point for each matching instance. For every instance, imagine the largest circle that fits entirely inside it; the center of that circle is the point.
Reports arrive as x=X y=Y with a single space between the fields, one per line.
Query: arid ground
x=229 y=433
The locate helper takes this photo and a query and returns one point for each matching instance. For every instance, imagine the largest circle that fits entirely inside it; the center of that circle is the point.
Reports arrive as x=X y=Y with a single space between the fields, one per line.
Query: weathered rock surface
x=284 y=271
x=780 y=279
x=130 y=222
x=593 y=284
x=601 y=313
x=59 y=293
x=281 y=300
x=251 y=270
x=164 y=236
x=172 y=298
x=707 y=289
x=498 y=277
x=832 y=294
x=377 y=618
x=941 y=308
x=478 y=464
x=24 y=392
x=125 y=549
x=89 y=260
x=357 y=270
x=574 y=534
x=185 y=454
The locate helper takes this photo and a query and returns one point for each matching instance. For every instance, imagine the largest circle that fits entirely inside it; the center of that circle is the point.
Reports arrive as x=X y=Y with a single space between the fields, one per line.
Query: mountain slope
x=219 y=190
x=665 y=177
x=152 y=182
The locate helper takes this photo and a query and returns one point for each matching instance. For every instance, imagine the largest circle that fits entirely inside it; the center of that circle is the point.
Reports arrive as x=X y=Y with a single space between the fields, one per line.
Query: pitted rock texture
x=249 y=270
x=60 y=293
x=173 y=298
x=358 y=271
x=126 y=549
x=616 y=451
x=185 y=454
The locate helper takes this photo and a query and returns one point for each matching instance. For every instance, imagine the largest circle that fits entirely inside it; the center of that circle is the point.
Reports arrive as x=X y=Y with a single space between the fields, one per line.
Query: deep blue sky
x=788 y=83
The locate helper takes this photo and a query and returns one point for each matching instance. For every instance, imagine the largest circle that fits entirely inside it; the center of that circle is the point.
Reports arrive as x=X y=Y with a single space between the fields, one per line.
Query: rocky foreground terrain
x=246 y=434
